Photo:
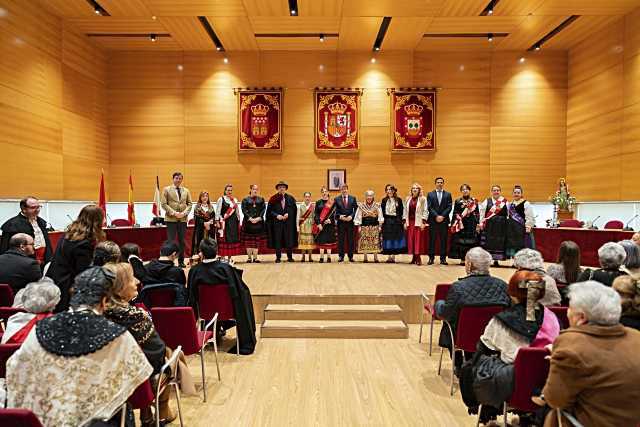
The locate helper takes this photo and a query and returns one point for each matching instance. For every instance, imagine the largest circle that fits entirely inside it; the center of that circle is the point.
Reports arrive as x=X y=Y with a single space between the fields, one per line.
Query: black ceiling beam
x=382 y=31
x=537 y=45
x=296 y=35
x=490 y=9
x=212 y=34
x=97 y=8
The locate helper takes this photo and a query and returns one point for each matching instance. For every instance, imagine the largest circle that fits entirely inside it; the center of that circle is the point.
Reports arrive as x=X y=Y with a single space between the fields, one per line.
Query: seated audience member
x=163 y=269
x=38 y=299
x=77 y=365
x=17 y=265
x=611 y=256
x=212 y=271
x=29 y=222
x=531 y=260
x=131 y=254
x=632 y=259
x=74 y=252
x=478 y=288
x=527 y=323
x=567 y=268
x=636 y=238
x=106 y=252
x=595 y=368
x=139 y=324
x=628 y=288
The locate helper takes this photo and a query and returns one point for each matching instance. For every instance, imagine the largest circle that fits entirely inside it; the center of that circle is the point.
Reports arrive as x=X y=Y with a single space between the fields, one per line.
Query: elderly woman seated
x=595 y=368
x=531 y=260
x=478 y=288
x=106 y=252
x=628 y=288
x=38 y=299
x=527 y=323
x=611 y=256
x=77 y=366
x=632 y=258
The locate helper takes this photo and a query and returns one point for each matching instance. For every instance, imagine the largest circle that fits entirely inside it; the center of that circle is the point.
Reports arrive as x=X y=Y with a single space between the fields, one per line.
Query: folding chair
x=442 y=289
x=177 y=327
x=470 y=327
x=215 y=299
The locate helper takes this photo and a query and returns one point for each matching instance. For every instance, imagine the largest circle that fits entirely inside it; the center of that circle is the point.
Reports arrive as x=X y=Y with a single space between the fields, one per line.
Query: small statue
x=562 y=199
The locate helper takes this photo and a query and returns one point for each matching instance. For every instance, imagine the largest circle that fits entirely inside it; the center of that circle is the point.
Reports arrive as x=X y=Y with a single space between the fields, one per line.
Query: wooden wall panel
x=146 y=107
x=528 y=107
x=452 y=70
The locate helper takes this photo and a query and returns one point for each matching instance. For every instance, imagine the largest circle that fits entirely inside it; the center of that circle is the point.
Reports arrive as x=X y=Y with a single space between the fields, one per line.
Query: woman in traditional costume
x=254 y=232
x=304 y=221
x=324 y=224
x=204 y=218
x=229 y=217
x=463 y=224
x=393 y=238
x=493 y=224
x=520 y=223
x=415 y=219
x=368 y=220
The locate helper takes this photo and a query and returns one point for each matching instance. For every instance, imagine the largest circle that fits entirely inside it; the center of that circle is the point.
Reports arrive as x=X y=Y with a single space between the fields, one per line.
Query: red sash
x=230 y=211
x=324 y=214
x=40 y=253
x=457 y=224
x=497 y=207
x=21 y=334
x=311 y=208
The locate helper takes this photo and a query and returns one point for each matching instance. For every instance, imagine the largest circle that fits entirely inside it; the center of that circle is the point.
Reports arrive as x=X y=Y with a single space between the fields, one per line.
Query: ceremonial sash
x=513 y=213
x=311 y=208
x=468 y=210
x=324 y=214
x=497 y=207
x=230 y=211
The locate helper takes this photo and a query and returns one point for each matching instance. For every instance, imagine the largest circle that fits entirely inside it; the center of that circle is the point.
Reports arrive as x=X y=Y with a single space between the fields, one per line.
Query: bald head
x=22 y=242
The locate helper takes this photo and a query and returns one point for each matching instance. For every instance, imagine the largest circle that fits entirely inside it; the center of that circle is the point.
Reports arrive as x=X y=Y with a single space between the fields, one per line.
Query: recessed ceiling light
x=373 y=60
x=521 y=59
x=153 y=37
x=226 y=60
x=180 y=67
x=321 y=38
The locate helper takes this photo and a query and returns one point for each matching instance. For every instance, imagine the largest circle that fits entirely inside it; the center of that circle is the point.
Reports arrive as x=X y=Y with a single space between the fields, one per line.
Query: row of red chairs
x=122 y=222
x=575 y=223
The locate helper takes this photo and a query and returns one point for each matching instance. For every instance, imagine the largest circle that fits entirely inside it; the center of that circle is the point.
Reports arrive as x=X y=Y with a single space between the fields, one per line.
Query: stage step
x=334 y=329
x=332 y=312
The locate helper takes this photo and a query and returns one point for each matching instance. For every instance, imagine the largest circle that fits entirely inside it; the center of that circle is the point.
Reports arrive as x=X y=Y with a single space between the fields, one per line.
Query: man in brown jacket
x=176 y=202
x=595 y=368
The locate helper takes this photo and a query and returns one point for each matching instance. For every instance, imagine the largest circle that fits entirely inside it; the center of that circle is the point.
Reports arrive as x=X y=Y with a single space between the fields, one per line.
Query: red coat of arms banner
x=413 y=121
x=259 y=120
x=337 y=120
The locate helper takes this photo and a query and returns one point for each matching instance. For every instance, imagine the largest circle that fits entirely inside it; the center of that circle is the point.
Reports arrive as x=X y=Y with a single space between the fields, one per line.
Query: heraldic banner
x=337 y=120
x=413 y=121
x=259 y=120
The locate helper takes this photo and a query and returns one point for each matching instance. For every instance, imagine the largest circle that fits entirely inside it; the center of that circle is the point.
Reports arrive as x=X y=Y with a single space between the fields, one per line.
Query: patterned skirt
x=253 y=240
x=369 y=241
x=229 y=248
x=305 y=236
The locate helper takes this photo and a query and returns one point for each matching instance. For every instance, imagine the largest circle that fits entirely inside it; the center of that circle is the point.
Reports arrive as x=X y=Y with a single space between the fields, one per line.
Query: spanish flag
x=102 y=200
x=131 y=210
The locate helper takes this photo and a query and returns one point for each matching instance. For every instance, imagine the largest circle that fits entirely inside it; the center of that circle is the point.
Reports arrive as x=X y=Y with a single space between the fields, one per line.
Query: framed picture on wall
x=335 y=178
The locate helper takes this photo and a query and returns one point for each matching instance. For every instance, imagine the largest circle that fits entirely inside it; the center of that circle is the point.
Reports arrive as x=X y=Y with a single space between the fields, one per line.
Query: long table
x=148 y=238
x=548 y=241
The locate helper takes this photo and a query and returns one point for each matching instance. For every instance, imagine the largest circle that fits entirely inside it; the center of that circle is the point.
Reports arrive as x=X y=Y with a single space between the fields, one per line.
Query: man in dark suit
x=346 y=206
x=439 y=203
x=28 y=222
x=281 y=222
x=18 y=268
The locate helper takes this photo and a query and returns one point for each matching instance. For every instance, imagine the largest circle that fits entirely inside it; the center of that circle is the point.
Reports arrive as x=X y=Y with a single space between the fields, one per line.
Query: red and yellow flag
x=102 y=200
x=131 y=211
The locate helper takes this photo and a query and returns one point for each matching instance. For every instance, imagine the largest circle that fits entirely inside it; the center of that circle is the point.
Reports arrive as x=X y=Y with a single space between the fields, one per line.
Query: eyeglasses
x=29 y=244
x=34 y=207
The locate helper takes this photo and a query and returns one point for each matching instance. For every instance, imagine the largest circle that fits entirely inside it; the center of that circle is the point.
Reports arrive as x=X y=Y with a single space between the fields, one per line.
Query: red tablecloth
x=548 y=241
x=148 y=238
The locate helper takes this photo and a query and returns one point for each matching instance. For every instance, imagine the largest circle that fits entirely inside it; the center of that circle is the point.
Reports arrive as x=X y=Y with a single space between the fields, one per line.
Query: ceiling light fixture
x=225 y=60
x=321 y=38
x=293 y=7
x=488 y=11
x=153 y=37
x=97 y=10
x=373 y=60
x=537 y=47
x=521 y=59
x=490 y=37
x=382 y=31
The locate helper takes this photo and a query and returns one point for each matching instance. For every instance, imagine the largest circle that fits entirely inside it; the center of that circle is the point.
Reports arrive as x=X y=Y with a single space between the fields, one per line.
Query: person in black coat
x=163 y=269
x=74 y=252
x=282 y=230
x=17 y=265
x=131 y=254
x=28 y=222
x=213 y=271
x=439 y=203
x=346 y=206
x=478 y=289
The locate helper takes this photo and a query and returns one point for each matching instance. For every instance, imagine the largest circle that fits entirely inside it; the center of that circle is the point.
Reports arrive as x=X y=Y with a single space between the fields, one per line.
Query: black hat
x=91 y=286
x=282 y=183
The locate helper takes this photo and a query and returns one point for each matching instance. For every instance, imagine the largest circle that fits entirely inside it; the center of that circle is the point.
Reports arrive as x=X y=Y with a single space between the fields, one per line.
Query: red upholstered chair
x=561 y=314
x=6 y=351
x=614 y=225
x=442 y=289
x=5 y=313
x=530 y=372
x=469 y=329
x=162 y=298
x=121 y=222
x=177 y=327
x=571 y=223
x=214 y=299
x=18 y=418
x=6 y=295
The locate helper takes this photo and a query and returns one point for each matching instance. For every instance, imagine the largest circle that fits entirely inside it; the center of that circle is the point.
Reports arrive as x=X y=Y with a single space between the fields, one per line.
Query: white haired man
x=611 y=256
x=595 y=369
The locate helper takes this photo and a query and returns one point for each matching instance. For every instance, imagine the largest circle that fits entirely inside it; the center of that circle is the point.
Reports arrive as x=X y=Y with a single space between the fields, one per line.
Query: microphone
x=70 y=219
x=626 y=227
x=110 y=221
x=592 y=226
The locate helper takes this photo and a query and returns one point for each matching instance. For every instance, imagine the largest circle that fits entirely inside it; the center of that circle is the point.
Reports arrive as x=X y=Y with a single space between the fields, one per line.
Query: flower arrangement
x=562 y=199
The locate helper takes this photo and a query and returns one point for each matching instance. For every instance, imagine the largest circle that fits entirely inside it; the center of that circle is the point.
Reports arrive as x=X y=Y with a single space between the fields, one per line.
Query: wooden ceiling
x=243 y=25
